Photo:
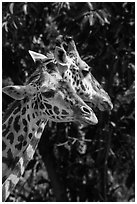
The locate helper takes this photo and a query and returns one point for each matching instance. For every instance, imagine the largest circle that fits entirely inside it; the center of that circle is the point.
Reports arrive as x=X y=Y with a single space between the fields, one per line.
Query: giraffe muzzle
x=87 y=116
x=104 y=103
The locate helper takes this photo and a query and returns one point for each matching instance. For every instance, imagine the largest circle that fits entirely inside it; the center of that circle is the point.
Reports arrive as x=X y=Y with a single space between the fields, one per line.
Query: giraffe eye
x=48 y=94
x=85 y=72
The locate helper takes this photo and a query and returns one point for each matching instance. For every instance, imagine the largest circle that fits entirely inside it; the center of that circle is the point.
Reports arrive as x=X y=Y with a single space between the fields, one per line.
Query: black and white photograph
x=68 y=101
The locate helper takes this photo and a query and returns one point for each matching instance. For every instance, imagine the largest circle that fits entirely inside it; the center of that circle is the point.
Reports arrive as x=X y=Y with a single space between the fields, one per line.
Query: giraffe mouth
x=91 y=120
x=87 y=116
x=86 y=120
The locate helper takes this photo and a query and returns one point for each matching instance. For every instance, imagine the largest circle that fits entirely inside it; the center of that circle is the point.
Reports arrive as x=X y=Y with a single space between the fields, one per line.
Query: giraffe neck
x=21 y=133
x=19 y=168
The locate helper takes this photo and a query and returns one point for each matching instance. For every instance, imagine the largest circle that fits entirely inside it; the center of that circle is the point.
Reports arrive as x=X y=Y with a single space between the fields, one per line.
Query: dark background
x=101 y=168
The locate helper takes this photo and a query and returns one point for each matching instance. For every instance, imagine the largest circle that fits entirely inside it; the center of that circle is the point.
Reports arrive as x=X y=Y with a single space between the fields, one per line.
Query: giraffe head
x=52 y=96
x=77 y=72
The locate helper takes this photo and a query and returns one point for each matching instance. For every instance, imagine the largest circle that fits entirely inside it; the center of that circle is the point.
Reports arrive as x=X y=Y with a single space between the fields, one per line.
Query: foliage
x=94 y=163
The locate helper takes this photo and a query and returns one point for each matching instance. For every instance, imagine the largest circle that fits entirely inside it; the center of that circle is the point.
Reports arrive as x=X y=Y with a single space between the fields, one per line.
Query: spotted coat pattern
x=79 y=75
x=55 y=91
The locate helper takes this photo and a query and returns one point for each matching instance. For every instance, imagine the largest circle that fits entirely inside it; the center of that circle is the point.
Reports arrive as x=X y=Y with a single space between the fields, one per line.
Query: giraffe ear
x=37 y=56
x=60 y=55
x=15 y=92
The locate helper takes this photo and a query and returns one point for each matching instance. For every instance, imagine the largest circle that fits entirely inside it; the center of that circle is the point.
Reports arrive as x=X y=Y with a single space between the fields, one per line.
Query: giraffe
x=80 y=77
x=77 y=73
x=45 y=96
x=59 y=83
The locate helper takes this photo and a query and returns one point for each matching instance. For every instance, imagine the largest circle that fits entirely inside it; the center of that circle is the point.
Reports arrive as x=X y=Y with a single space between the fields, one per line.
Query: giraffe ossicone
x=56 y=91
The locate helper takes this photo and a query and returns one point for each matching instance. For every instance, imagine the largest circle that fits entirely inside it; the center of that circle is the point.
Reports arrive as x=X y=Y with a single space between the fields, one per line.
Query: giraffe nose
x=89 y=116
x=106 y=104
x=86 y=110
